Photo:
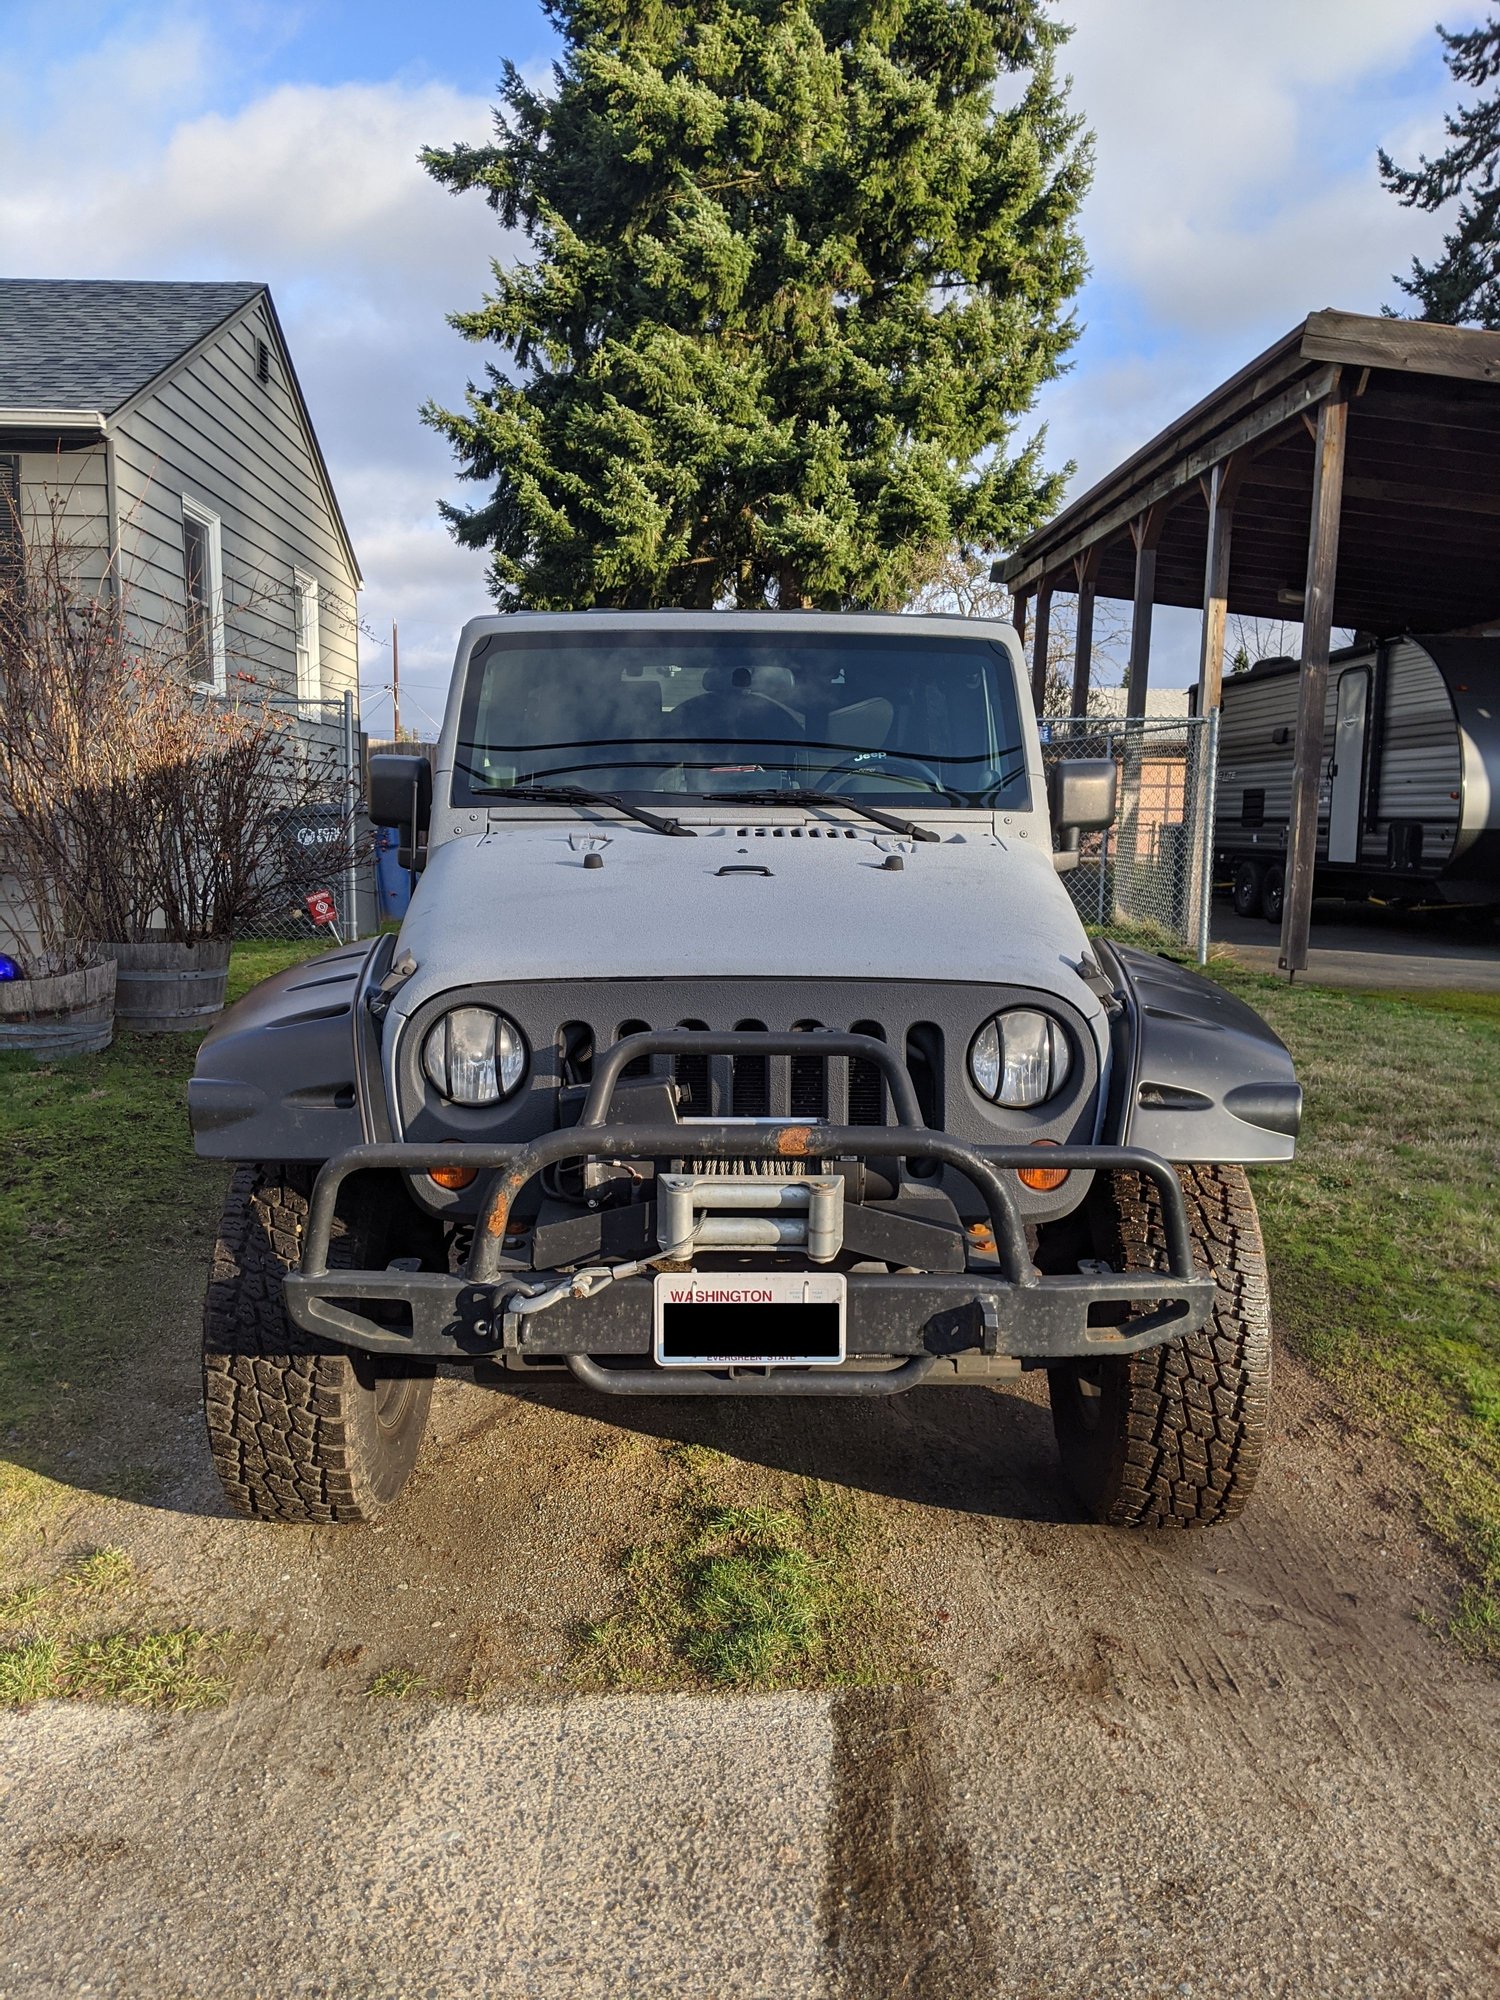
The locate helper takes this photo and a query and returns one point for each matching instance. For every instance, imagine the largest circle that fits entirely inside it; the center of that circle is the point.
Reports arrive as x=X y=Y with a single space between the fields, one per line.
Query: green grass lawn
x=1384 y=1239
x=101 y=1185
x=1384 y=1236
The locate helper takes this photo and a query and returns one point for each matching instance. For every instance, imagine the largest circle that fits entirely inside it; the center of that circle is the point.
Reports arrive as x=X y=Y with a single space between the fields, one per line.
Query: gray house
x=163 y=425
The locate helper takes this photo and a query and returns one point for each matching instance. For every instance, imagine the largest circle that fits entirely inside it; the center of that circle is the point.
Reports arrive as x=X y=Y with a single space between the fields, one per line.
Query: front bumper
x=903 y=1327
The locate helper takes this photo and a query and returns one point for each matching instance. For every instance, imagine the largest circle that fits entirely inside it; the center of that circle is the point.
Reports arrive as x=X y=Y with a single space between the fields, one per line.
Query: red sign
x=321 y=907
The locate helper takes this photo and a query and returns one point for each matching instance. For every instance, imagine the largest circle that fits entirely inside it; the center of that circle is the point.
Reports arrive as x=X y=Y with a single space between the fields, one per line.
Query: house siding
x=212 y=431
x=71 y=488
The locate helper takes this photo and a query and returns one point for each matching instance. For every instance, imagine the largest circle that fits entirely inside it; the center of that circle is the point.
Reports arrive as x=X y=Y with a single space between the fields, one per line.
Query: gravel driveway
x=1231 y=1764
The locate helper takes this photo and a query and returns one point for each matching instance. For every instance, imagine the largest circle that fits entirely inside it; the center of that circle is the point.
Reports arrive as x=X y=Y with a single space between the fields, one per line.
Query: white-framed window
x=309 y=651
x=203 y=593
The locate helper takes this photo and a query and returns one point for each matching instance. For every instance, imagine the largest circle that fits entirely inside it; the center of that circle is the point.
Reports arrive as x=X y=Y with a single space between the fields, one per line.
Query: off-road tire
x=1172 y=1436
x=1249 y=878
x=301 y=1430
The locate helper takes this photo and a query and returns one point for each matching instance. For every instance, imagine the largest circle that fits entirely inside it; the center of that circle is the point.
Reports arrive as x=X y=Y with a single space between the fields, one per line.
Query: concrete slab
x=1355 y=945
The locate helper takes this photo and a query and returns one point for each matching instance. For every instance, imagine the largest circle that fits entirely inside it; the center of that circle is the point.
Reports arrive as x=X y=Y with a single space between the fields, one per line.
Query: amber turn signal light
x=454 y=1178
x=1045 y=1180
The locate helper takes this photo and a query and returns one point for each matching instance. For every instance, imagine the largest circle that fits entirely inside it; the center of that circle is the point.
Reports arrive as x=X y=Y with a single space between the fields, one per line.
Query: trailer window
x=1253 y=807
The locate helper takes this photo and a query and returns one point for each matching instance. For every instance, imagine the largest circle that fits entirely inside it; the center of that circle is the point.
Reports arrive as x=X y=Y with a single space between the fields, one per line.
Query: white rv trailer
x=1409 y=799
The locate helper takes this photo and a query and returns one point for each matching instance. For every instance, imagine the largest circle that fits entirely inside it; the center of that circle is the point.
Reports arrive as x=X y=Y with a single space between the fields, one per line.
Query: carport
x=1349 y=476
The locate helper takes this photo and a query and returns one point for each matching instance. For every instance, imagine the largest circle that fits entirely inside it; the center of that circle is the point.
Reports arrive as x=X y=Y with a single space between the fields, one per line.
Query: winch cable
x=586 y=1284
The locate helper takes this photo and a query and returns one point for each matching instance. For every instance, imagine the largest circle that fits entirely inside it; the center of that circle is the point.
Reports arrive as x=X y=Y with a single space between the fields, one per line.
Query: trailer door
x=1347 y=770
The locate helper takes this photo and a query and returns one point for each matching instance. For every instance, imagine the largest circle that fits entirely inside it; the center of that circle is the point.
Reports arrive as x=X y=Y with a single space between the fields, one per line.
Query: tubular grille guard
x=512 y=1167
x=1055 y=1309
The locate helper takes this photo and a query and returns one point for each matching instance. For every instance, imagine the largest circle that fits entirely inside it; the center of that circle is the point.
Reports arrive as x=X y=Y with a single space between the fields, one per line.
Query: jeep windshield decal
x=924 y=722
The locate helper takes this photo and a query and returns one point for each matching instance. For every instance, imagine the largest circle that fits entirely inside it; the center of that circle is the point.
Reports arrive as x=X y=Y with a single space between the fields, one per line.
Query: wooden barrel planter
x=59 y=1013
x=170 y=989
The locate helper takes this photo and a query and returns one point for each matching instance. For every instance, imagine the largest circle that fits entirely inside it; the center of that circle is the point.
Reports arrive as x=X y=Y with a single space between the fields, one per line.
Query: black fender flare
x=292 y=1070
x=1197 y=1076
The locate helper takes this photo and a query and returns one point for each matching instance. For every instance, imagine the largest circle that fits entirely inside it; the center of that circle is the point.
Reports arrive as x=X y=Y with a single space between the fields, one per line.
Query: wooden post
x=1018 y=616
x=1086 y=568
x=1039 y=645
x=1312 y=701
x=1219 y=490
x=1145 y=532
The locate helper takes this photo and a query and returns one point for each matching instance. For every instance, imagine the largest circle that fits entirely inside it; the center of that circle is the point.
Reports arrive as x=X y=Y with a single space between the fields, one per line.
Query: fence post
x=351 y=801
x=1209 y=788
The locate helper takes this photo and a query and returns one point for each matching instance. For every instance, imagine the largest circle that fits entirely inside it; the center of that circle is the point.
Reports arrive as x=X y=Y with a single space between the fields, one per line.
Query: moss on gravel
x=750 y=1590
x=58 y=1642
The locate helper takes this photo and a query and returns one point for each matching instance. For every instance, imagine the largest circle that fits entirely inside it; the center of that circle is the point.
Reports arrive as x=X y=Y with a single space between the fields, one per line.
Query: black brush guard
x=905 y=1323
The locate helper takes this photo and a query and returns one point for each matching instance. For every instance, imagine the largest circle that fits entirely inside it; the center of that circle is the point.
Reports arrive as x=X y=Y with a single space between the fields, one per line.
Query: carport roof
x=1419 y=545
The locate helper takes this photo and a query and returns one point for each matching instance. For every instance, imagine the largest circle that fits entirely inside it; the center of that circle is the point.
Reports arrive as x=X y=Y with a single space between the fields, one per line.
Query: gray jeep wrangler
x=741 y=1040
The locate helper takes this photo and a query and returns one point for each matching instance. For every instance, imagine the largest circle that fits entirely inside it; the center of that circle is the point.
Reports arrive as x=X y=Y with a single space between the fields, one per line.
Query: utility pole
x=395 y=681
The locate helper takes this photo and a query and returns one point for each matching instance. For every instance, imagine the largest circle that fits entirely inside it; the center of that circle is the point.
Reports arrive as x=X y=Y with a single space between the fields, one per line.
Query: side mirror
x=401 y=792
x=1081 y=794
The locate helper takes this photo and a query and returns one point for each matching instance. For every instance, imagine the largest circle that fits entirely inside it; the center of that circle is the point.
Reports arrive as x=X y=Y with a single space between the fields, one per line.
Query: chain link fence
x=1150 y=875
x=318 y=845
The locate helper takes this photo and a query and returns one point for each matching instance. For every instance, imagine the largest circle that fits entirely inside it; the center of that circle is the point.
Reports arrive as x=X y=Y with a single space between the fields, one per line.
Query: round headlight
x=474 y=1056
x=1020 y=1058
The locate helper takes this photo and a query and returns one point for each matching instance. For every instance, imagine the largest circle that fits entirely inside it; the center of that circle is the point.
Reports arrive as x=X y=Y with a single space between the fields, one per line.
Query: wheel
x=1248 y=878
x=1172 y=1436
x=301 y=1430
x=1273 y=893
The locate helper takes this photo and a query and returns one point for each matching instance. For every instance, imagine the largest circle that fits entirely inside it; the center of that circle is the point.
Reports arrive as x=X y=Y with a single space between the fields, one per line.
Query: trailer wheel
x=301 y=1430
x=1273 y=894
x=1248 y=878
x=1172 y=1436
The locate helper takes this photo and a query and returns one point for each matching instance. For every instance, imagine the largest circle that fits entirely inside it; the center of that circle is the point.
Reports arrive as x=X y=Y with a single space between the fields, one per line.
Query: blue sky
x=276 y=139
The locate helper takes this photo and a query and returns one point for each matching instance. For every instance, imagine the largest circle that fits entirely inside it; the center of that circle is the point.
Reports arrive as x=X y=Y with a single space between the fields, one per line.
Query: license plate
x=750 y=1319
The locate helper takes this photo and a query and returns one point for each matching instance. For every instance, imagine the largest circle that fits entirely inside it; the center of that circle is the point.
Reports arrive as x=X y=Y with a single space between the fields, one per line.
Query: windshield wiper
x=581 y=795
x=797 y=797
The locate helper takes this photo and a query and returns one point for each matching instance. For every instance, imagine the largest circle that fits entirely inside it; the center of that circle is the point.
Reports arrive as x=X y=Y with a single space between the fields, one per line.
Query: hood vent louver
x=800 y=833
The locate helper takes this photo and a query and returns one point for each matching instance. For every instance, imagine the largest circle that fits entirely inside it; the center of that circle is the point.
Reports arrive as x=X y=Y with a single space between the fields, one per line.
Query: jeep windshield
x=923 y=722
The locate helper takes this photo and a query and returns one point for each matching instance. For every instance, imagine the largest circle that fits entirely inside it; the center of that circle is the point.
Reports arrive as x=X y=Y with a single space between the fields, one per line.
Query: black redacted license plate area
x=750 y=1319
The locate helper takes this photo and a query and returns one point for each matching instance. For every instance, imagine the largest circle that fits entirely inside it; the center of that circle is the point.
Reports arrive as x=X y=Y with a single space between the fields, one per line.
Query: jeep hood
x=585 y=902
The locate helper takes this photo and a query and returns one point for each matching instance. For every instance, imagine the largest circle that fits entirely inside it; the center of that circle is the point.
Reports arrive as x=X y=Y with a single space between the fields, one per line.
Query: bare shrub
x=134 y=804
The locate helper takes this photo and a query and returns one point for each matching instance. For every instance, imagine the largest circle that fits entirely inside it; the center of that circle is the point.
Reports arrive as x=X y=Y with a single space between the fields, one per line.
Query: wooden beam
x=1039 y=645
x=1418 y=347
x=1400 y=492
x=1223 y=484
x=1023 y=570
x=1086 y=569
x=1018 y=601
x=1317 y=623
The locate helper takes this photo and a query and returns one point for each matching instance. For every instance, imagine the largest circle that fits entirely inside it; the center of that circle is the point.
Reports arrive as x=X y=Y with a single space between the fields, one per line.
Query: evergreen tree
x=796 y=275
x=1462 y=287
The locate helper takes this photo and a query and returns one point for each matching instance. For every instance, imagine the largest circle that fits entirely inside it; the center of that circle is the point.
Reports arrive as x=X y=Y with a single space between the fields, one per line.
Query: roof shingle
x=91 y=344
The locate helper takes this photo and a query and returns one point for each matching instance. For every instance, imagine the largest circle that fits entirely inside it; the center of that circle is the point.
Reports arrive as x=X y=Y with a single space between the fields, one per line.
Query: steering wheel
x=869 y=759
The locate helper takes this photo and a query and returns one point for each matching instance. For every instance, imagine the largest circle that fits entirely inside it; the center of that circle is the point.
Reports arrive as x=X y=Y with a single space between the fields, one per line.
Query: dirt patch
x=902 y=1912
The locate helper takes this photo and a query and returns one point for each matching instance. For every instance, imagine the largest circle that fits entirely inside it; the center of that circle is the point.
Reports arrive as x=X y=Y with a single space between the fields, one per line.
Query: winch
x=788 y=1211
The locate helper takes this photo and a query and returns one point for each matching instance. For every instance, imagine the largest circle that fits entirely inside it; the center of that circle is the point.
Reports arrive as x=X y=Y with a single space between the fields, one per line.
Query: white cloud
x=318 y=192
x=1236 y=181
x=1235 y=191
